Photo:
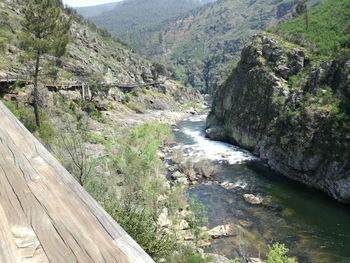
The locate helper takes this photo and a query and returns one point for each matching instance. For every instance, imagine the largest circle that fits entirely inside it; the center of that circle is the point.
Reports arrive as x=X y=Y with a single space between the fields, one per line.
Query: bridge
x=11 y=79
x=45 y=215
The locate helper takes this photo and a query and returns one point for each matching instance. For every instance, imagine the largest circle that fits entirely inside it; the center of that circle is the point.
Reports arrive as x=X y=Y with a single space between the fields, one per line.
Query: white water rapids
x=204 y=148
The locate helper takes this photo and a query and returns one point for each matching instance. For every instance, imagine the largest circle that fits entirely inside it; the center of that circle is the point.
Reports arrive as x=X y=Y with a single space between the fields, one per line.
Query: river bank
x=262 y=207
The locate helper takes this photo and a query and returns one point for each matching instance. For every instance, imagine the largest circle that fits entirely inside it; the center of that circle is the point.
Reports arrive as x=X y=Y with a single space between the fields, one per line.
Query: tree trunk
x=36 y=91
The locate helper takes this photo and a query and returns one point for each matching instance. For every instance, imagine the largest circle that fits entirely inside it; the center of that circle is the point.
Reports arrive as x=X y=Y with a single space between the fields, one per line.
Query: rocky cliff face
x=292 y=113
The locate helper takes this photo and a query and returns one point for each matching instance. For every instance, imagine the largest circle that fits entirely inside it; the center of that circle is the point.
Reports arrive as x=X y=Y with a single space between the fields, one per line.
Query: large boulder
x=252 y=199
x=223 y=231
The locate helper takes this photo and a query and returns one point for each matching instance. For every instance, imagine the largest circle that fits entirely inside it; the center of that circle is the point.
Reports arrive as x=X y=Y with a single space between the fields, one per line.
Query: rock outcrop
x=292 y=113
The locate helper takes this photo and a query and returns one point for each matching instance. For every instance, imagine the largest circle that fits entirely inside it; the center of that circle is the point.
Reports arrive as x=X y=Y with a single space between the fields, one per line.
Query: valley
x=211 y=131
x=201 y=46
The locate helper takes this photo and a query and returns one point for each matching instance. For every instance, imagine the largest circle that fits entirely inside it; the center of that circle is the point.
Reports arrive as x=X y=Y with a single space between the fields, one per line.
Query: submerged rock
x=223 y=231
x=245 y=223
x=252 y=199
x=255 y=260
x=215 y=133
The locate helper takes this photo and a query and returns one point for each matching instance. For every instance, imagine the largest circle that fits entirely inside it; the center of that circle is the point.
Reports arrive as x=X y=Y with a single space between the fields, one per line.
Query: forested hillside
x=199 y=46
x=132 y=20
x=203 y=44
x=96 y=10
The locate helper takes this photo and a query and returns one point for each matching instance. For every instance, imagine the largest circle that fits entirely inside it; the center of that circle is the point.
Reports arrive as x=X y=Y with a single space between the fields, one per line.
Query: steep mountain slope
x=202 y=44
x=290 y=103
x=96 y=10
x=131 y=20
x=92 y=56
x=91 y=51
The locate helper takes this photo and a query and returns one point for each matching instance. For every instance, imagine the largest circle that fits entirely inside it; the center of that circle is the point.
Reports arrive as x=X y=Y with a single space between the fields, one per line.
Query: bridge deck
x=45 y=215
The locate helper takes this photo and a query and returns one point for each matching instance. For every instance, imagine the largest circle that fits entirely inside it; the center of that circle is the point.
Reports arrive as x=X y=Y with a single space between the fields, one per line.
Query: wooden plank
x=9 y=251
x=46 y=212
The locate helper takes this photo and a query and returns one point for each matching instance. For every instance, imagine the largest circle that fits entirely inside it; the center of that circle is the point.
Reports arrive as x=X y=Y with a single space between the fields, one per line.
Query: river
x=313 y=226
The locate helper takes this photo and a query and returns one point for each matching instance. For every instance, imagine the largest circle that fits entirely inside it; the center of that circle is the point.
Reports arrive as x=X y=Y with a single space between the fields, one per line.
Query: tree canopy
x=44 y=31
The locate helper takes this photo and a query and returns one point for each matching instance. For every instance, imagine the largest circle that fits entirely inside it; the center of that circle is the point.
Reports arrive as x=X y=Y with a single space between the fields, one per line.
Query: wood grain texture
x=45 y=215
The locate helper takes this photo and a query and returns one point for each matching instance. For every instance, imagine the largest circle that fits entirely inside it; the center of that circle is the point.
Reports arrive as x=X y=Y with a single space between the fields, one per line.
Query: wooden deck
x=45 y=215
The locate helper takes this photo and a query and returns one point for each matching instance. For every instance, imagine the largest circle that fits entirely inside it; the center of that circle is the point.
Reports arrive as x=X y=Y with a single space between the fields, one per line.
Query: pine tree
x=44 y=31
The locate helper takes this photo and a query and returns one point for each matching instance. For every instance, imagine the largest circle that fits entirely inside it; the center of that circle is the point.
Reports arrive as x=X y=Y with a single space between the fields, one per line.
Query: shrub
x=96 y=138
x=137 y=107
x=159 y=69
x=98 y=86
x=177 y=200
x=140 y=148
x=11 y=107
x=140 y=225
x=277 y=254
x=188 y=255
x=126 y=99
x=198 y=219
x=205 y=168
x=178 y=156
x=46 y=132
x=26 y=116
x=90 y=108
x=187 y=168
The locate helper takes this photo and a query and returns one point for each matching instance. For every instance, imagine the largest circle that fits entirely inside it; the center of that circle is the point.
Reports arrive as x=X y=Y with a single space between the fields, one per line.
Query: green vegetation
x=137 y=107
x=199 y=45
x=188 y=255
x=131 y=20
x=328 y=31
x=198 y=220
x=136 y=205
x=43 y=32
x=90 y=108
x=4 y=40
x=277 y=254
x=326 y=37
x=71 y=141
x=26 y=116
x=140 y=224
x=97 y=86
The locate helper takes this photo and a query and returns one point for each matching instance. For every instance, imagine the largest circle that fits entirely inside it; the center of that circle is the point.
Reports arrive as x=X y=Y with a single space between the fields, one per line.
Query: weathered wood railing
x=45 y=215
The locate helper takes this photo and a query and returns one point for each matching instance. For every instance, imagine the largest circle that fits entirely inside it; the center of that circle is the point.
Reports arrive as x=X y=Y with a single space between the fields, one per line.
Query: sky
x=78 y=3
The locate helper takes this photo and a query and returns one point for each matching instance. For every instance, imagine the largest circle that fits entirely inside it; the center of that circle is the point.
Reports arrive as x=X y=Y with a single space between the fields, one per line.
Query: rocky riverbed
x=250 y=206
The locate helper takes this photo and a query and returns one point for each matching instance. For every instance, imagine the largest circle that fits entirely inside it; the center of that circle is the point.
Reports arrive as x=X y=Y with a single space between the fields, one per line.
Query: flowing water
x=313 y=226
